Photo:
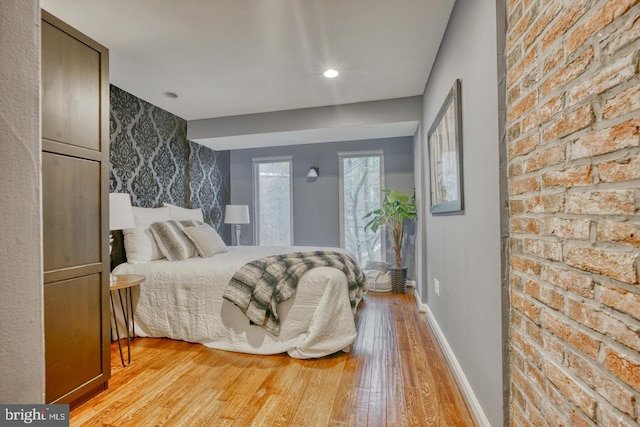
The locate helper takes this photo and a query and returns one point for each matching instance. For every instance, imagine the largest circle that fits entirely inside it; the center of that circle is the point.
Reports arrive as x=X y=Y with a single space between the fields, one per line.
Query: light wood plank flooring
x=394 y=376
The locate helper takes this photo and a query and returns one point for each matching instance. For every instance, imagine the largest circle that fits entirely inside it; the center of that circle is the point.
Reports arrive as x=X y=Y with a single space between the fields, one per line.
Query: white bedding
x=183 y=300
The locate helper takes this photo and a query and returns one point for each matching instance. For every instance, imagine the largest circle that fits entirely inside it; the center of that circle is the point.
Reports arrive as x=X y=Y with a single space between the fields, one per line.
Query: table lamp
x=120 y=215
x=236 y=215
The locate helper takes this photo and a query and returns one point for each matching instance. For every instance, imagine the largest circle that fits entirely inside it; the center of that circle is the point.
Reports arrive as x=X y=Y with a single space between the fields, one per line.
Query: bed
x=185 y=299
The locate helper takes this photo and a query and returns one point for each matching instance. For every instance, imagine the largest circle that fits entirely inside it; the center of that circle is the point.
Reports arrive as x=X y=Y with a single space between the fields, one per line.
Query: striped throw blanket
x=259 y=286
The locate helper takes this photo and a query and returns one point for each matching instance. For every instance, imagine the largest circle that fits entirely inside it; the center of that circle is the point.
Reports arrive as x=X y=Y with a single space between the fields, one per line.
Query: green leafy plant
x=395 y=209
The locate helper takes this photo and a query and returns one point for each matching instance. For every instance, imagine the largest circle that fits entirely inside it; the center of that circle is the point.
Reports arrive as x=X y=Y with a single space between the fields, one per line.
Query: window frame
x=355 y=154
x=257 y=161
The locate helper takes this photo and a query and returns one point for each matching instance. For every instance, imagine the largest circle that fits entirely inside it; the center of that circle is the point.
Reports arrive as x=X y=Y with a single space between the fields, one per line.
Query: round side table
x=119 y=283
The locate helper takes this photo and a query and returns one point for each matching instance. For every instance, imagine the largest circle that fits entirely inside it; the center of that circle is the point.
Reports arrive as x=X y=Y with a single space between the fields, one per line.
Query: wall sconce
x=313 y=173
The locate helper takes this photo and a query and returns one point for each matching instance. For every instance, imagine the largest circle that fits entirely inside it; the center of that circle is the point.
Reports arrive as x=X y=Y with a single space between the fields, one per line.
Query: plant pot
x=398 y=280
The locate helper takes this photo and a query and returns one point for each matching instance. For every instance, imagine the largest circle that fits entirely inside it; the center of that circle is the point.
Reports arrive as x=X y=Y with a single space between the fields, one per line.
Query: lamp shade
x=236 y=214
x=120 y=212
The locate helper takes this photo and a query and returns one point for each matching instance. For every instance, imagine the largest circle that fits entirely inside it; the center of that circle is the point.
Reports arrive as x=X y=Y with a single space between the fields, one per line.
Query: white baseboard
x=421 y=307
x=473 y=404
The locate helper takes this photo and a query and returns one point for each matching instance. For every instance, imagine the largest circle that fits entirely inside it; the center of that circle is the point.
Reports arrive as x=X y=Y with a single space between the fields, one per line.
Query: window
x=273 y=201
x=361 y=183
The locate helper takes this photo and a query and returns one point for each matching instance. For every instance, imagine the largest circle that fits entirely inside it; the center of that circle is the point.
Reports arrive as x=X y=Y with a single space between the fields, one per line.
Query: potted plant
x=394 y=210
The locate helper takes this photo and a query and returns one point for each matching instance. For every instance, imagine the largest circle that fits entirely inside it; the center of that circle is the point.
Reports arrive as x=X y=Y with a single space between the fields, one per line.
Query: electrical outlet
x=436 y=285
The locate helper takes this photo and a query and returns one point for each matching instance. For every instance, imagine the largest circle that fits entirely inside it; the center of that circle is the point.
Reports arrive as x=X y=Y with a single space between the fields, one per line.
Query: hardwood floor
x=394 y=376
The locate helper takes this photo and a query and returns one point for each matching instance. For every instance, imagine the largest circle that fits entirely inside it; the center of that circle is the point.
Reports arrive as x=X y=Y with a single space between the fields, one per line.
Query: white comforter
x=183 y=300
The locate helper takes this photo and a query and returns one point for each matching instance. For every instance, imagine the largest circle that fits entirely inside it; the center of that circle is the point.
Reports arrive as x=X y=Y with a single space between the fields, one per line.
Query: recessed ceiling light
x=331 y=74
x=171 y=95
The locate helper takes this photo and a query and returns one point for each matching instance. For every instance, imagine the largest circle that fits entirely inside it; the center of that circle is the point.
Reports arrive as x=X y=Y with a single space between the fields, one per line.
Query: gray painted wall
x=464 y=250
x=315 y=204
x=21 y=314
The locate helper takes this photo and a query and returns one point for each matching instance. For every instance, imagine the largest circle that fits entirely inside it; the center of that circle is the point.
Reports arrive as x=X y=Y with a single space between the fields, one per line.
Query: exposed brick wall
x=573 y=118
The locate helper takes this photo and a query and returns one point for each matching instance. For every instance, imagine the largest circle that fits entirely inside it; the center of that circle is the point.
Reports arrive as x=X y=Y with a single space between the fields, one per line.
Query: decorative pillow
x=206 y=240
x=172 y=241
x=177 y=213
x=190 y=223
x=139 y=243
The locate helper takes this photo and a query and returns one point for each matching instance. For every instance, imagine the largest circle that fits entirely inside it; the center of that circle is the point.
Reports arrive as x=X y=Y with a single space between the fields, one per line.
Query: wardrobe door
x=75 y=192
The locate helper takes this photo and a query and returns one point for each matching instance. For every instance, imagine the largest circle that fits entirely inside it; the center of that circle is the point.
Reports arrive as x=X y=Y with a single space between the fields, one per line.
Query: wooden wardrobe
x=75 y=196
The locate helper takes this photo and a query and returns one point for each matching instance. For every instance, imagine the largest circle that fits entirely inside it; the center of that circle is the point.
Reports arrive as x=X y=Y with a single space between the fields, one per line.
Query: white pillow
x=206 y=240
x=139 y=243
x=177 y=213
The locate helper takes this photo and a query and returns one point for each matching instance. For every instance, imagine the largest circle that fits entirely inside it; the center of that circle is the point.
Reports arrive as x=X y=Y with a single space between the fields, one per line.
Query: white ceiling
x=236 y=57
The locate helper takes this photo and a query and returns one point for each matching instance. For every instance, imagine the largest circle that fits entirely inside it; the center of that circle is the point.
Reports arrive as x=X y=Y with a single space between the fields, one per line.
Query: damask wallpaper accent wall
x=149 y=152
x=210 y=185
x=152 y=160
